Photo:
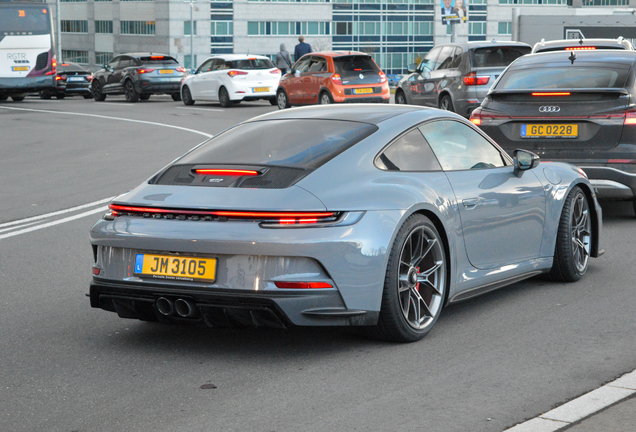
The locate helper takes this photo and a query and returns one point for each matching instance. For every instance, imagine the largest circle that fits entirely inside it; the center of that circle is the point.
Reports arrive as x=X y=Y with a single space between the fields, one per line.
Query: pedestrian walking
x=302 y=48
x=283 y=60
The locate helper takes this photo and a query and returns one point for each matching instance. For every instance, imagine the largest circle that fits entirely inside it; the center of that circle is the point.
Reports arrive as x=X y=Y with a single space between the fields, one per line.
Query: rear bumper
x=611 y=183
x=150 y=87
x=17 y=86
x=224 y=308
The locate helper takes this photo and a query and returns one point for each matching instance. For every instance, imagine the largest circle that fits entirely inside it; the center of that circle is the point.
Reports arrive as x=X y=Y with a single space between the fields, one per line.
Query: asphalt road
x=489 y=363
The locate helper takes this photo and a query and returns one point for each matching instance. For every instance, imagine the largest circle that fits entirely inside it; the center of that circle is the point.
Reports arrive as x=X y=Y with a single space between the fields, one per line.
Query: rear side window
x=410 y=152
x=497 y=56
x=458 y=147
x=563 y=77
x=249 y=64
x=354 y=65
x=293 y=143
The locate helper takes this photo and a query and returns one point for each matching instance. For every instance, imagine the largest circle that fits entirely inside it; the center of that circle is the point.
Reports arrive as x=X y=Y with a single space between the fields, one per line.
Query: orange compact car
x=332 y=77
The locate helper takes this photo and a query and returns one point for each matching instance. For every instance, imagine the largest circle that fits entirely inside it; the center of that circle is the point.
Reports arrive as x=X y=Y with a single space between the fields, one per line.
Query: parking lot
x=490 y=362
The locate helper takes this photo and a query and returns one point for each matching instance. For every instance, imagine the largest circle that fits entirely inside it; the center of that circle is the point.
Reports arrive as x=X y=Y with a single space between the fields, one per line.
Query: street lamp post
x=59 y=32
x=191 y=3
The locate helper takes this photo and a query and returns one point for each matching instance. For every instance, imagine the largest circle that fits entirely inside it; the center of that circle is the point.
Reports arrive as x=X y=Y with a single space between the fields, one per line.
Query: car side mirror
x=411 y=68
x=524 y=161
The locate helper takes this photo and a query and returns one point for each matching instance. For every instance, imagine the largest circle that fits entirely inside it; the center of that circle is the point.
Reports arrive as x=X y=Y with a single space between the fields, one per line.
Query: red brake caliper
x=417 y=286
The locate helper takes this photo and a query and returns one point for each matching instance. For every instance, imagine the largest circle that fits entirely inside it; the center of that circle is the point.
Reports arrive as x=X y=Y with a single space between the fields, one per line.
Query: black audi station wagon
x=577 y=107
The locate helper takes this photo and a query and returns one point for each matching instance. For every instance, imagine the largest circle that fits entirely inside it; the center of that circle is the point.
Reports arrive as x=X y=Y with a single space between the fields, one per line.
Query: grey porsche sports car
x=359 y=215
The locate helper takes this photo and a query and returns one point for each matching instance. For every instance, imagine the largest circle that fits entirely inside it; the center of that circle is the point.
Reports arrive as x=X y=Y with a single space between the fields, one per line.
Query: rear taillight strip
x=116 y=208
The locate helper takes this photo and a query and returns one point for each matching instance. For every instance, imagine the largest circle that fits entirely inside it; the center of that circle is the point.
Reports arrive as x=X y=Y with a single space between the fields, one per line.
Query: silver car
x=366 y=215
x=457 y=76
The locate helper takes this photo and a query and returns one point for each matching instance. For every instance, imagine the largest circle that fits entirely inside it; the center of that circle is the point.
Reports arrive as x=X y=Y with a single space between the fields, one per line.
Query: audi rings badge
x=549 y=109
x=361 y=76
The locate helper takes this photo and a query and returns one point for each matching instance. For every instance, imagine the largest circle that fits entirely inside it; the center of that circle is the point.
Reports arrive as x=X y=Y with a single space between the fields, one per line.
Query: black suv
x=70 y=79
x=139 y=75
x=570 y=106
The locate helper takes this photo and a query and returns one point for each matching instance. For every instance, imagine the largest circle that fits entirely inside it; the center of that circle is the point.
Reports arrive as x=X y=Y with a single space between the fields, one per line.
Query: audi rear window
x=295 y=143
x=497 y=56
x=158 y=60
x=250 y=64
x=563 y=77
x=353 y=65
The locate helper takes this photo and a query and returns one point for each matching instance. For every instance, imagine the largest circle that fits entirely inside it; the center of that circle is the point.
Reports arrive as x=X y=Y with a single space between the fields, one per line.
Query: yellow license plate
x=261 y=89
x=549 y=131
x=175 y=267
x=168 y=71
x=20 y=68
x=362 y=90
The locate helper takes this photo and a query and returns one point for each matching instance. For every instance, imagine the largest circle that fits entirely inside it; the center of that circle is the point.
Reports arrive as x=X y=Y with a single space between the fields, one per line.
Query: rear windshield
x=353 y=65
x=250 y=64
x=292 y=143
x=497 y=56
x=158 y=60
x=70 y=67
x=563 y=77
x=24 y=19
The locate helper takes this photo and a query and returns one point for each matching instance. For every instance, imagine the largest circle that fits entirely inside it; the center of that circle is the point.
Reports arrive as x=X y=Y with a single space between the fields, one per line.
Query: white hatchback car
x=230 y=79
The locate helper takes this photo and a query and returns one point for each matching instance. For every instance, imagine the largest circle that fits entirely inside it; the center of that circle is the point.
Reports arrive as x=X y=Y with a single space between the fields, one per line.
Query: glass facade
x=74 y=26
x=221 y=27
x=74 y=56
x=103 y=26
x=137 y=27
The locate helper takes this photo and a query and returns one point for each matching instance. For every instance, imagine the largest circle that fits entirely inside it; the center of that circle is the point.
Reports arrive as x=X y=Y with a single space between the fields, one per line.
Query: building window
x=544 y=2
x=343 y=28
x=101 y=58
x=186 y=28
x=368 y=28
x=605 y=2
x=103 y=26
x=74 y=1
x=74 y=26
x=422 y=28
x=137 y=27
x=476 y=28
x=505 y=28
x=397 y=28
x=187 y=62
x=221 y=28
x=285 y=28
x=102 y=0
x=75 y=56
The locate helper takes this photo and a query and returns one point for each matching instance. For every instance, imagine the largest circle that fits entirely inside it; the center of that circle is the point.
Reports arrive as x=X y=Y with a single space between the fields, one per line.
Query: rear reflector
x=580 y=48
x=302 y=285
x=227 y=172
x=96 y=271
x=551 y=94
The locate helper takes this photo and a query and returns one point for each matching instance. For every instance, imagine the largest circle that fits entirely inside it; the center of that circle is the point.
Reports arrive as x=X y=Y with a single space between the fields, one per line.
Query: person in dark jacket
x=283 y=60
x=302 y=48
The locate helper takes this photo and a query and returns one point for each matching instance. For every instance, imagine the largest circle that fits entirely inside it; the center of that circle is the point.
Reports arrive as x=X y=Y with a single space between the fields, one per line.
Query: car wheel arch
x=594 y=249
x=443 y=93
x=449 y=246
x=400 y=90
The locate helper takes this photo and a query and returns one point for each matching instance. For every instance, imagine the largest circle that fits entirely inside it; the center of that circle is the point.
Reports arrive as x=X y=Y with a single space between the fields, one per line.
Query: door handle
x=470 y=203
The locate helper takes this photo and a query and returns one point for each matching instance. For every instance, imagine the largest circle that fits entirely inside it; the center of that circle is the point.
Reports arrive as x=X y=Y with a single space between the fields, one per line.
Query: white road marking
x=111 y=118
x=56 y=213
x=581 y=407
x=17 y=227
x=202 y=109
x=57 y=222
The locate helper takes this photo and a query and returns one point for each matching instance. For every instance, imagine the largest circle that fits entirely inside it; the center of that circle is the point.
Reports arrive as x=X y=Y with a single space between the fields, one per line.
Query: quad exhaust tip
x=181 y=307
x=165 y=306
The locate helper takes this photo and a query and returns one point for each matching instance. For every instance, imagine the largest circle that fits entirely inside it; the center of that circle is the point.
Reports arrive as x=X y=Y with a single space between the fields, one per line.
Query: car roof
x=485 y=44
x=144 y=54
x=626 y=57
x=366 y=113
x=339 y=53
x=619 y=43
x=238 y=56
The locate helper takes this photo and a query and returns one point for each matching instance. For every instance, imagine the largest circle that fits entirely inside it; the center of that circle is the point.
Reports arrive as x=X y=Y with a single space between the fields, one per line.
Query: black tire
x=445 y=103
x=17 y=98
x=186 y=96
x=176 y=96
x=144 y=96
x=281 y=100
x=416 y=282
x=574 y=239
x=273 y=101
x=45 y=94
x=87 y=96
x=224 y=98
x=130 y=92
x=60 y=96
x=325 y=98
x=400 y=98
x=96 y=90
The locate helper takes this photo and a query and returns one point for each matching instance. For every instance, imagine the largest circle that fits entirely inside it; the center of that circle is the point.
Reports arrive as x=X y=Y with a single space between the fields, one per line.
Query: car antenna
x=572 y=57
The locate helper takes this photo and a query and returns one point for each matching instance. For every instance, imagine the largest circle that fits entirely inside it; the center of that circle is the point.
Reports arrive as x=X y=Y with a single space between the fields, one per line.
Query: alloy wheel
x=581 y=228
